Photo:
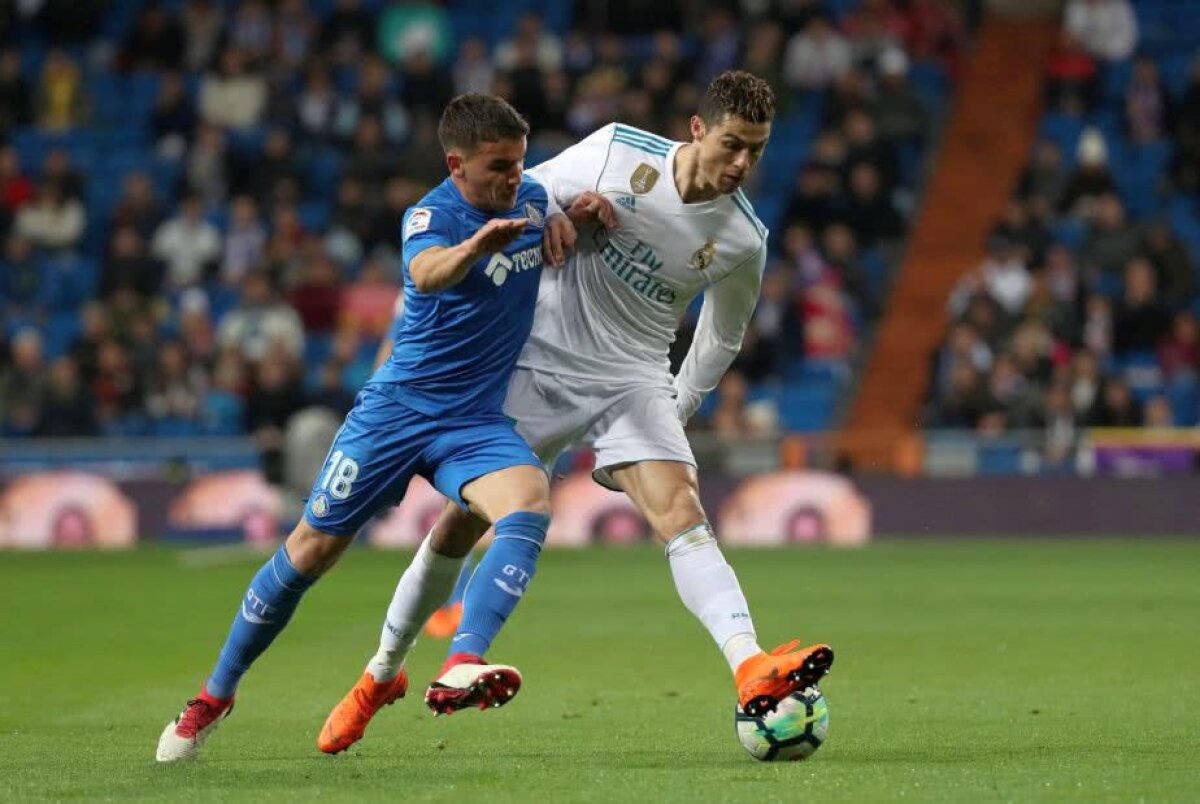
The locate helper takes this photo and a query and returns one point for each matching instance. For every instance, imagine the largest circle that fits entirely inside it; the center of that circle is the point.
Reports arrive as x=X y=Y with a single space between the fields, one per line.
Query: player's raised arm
x=440 y=267
x=728 y=306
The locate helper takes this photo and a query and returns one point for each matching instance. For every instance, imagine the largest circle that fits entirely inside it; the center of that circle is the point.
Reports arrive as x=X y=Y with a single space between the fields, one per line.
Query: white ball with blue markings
x=794 y=731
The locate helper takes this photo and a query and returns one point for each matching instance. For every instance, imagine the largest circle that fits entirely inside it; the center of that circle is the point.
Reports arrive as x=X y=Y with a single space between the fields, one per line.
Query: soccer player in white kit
x=667 y=221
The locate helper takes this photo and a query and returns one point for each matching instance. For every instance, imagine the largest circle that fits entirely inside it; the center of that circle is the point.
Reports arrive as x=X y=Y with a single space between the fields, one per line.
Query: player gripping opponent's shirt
x=472 y=251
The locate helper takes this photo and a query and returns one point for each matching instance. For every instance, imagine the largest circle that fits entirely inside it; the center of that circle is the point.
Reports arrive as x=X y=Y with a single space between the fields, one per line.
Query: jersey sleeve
x=724 y=316
x=575 y=170
x=425 y=227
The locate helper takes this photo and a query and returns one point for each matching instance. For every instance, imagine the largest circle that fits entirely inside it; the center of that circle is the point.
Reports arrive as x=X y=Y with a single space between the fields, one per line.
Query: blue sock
x=460 y=587
x=499 y=581
x=268 y=605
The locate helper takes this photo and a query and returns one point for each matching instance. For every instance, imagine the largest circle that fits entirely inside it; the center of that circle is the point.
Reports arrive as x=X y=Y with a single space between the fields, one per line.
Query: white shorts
x=623 y=423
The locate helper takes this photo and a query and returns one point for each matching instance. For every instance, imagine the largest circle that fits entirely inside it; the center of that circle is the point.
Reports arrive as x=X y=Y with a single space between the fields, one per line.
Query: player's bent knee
x=682 y=512
x=456 y=532
x=312 y=552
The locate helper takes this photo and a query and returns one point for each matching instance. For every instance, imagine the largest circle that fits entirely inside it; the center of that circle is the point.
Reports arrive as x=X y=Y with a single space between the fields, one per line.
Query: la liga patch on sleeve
x=418 y=221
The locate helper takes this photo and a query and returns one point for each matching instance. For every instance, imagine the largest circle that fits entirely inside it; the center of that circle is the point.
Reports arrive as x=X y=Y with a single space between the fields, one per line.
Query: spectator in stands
x=1046 y=175
x=868 y=211
x=317 y=296
x=173 y=120
x=347 y=32
x=95 y=328
x=1117 y=407
x=1157 y=412
x=815 y=199
x=23 y=280
x=383 y=234
x=873 y=27
x=187 y=244
x=1059 y=426
x=850 y=92
x=1091 y=179
x=316 y=106
x=23 y=384
x=1172 y=263
x=828 y=330
x=1031 y=348
x=176 y=387
x=251 y=31
x=1098 y=324
x=51 y=222
x=1111 y=240
x=1061 y=275
x=294 y=35
x=529 y=31
x=128 y=265
x=898 y=112
x=367 y=303
x=372 y=160
x=840 y=250
x=261 y=323
x=1026 y=234
x=374 y=99
x=16 y=97
x=729 y=420
x=1148 y=110
x=1140 y=321
x=203 y=23
x=775 y=317
x=58 y=169
x=196 y=329
x=275 y=166
x=67 y=409
x=245 y=242
x=208 y=168
x=1072 y=77
x=138 y=207
x=1185 y=167
x=117 y=388
x=155 y=43
x=473 y=70
x=60 y=99
x=274 y=396
x=233 y=96
x=1008 y=391
x=1057 y=315
x=1179 y=351
x=426 y=87
x=963 y=402
x=720 y=42
x=935 y=30
x=763 y=56
x=1085 y=386
x=816 y=56
x=1107 y=28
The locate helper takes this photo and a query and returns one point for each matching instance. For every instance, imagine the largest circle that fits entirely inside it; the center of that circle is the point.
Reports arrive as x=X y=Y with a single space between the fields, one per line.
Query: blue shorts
x=383 y=443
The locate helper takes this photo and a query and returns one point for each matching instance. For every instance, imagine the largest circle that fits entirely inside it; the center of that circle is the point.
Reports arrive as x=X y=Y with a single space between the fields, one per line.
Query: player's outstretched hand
x=591 y=207
x=558 y=239
x=497 y=234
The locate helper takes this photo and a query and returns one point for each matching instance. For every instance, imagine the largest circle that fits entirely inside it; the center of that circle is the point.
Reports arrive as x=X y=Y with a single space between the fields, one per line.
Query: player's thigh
x=549 y=412
x=487 y=468
x=373 y=457
x=456 y=531
x=666 y=492
x=518 y=488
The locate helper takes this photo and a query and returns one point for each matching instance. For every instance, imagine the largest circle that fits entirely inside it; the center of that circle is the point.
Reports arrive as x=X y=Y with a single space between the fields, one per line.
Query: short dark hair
x=474 y=118
x=737 y=93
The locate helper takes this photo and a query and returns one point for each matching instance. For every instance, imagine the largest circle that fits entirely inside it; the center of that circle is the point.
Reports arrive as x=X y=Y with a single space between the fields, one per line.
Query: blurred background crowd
x=199 y=200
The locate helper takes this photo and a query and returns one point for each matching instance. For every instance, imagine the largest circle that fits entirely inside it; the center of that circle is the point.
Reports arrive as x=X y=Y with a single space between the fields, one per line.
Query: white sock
x=424 y=587
x=710 y=590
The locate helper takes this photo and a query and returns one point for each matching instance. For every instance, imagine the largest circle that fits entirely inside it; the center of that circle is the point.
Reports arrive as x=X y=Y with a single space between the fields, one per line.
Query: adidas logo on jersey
x=501 y=265
x=627 y=201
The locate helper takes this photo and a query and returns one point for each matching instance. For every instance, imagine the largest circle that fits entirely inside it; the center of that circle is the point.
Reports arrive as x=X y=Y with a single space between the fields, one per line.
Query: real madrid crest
x=643 y=179
x=704 y=256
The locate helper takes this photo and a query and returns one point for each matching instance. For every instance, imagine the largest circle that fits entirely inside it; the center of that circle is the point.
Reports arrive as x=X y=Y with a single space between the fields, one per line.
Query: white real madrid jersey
x=612 y=311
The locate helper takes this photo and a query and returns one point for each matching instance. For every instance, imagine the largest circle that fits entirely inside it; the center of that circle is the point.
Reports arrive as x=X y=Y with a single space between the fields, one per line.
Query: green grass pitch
x=1017 y=671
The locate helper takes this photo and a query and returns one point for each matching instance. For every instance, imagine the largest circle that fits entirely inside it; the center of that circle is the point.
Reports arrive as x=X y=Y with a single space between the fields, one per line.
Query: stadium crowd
x=199 y=200
x=1084 y=311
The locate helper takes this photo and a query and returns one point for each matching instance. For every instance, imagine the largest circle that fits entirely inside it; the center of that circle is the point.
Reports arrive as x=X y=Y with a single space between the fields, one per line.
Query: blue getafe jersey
x=461 y=345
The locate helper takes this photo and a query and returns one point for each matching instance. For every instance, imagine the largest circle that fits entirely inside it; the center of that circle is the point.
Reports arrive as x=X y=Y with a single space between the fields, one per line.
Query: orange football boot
x=444 y=621
x=348 y=720
x=767 y=678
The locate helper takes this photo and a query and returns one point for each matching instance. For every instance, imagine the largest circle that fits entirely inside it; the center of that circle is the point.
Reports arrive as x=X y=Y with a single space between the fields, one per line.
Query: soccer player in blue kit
x=472 y=252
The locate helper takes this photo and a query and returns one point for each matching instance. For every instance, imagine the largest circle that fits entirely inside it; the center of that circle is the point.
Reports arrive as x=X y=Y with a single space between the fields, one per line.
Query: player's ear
x=698 y=127
x=454 y=163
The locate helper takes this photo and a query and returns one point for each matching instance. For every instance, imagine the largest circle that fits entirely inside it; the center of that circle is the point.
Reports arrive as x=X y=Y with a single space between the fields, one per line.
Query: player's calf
x=467 y=681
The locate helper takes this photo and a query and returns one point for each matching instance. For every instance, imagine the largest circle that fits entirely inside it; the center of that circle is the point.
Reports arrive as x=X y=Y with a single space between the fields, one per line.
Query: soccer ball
x=794 y=731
